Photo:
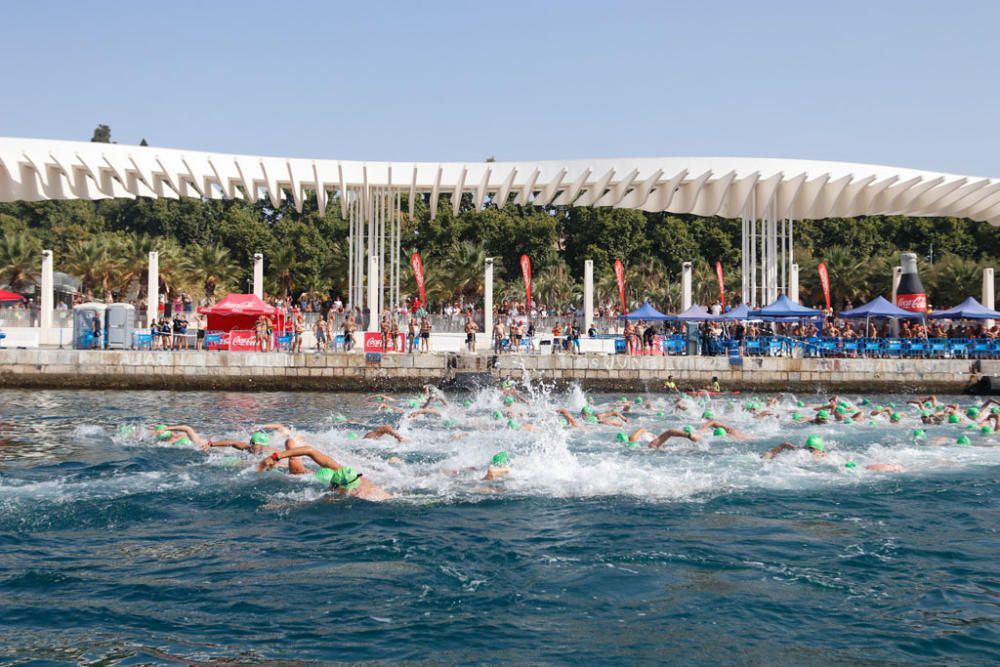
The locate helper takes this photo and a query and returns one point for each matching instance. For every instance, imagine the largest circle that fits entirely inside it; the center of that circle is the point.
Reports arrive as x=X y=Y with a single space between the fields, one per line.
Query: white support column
x=258 y=275
x=988 y=293
x=46 y=300
x=488 y=298
x=153 y=288
x=685 y=285
x=897 y=274
x=374 y=306
x=588 y=294
x=793 y=282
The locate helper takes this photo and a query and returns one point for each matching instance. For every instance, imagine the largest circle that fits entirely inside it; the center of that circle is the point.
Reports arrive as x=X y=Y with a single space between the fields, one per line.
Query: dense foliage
x=208 y=246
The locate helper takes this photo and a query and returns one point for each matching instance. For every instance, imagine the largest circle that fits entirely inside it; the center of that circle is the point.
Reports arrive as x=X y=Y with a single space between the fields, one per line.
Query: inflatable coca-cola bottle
x=910 y=294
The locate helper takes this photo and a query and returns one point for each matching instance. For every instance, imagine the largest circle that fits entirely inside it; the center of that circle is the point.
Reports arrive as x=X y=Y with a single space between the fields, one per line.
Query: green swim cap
x=412 y=403
x=637 y=400
x=450 y=423
x=507 y=383
x=954 y=418
x=623 y=399
x=986 y=430
x=840 y=409
x=688 y=428
x=590 y=419
x=164 y=435
x=497 y=414
x=815 y=442
x=891 y=405
x=871 y=422
x=925 y=413
x=500 y=459
x=659 y=413
x=126 y=429
x=823 y=414
x=183 y=441
x=919 y=433
x=842 y=404
x=796 y=416
x=972 y=412
x=377 y=398
x=339 y=418
x=466 y=403
x=512 y=424
x=563 y=422
x=994 y=410
x=587 y=410
x=969 y=427
x=708 y=414
x=963 y=440
x=508 y=400
x=352 y=436
x=633 y=445
x=259 y=438
x=895 y=417
x=160 y=427
x=621 y=437
x=345 y=478
x=850 y=464
x=719 y=432
x=865 y=401
x=800 y=404
x=324 y=475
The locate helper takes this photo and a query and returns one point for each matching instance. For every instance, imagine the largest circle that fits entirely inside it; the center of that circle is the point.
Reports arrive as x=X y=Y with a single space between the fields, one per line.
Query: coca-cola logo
x=242 y=340
x=913 y=302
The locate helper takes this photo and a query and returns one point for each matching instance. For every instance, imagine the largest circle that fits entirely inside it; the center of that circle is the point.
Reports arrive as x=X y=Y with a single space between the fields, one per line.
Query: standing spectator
x=425 y=334
x=412 y=331
x=319 y=330
x=470 y=333
x=298 y=326
x=350 y=325
x=384 y=330
x=498 y=336
x=95 y=332
x=394 y=332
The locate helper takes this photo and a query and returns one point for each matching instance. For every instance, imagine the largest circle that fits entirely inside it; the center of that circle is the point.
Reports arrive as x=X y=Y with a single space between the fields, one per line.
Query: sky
x=904 y=83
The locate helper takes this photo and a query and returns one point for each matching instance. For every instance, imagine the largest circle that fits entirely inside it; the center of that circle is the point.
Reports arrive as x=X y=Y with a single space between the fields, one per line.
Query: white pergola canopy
x=35 y=169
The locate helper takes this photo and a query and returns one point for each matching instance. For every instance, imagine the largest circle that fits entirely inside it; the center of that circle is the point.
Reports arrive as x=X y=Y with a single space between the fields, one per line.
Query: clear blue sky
x=908 y=83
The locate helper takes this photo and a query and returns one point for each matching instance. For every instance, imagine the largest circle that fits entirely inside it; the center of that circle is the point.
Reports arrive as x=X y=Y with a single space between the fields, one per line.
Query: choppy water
x=120 y=550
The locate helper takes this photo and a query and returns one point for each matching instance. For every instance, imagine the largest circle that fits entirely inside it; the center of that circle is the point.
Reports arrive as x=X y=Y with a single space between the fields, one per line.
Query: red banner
x=824 y=280
x=526 y=272
x=418 y=273
x=620 y=275
x=722 y=284
x=242 y=340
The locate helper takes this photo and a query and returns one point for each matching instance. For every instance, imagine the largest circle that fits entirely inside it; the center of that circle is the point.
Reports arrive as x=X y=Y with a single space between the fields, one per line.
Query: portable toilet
x=83 y=328
x=119 y=321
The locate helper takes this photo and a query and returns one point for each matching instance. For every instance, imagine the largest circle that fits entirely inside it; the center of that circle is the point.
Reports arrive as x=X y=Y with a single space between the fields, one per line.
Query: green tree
x=95 y=261
x=20 y=260
x=212 y=267
x=102 y=134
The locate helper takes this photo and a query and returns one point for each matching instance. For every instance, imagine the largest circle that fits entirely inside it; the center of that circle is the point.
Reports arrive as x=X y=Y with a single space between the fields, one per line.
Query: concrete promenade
x=54 y=369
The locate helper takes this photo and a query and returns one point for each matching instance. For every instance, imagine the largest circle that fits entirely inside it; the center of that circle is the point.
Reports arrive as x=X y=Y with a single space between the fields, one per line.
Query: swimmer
x=433 y=395
x=344 y=480
x=611 y=417
x=381 y=398
x=568 y=416
x=377 y=433
x=430 y=412
x=660 y=440
x=730 y=431
x=814 y=444
x=257 y=444
x=181 y=434
x=499 y=466
x=885 y=467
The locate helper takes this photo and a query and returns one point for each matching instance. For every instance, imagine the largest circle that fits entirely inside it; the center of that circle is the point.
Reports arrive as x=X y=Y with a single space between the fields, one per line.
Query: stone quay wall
x=251 y=371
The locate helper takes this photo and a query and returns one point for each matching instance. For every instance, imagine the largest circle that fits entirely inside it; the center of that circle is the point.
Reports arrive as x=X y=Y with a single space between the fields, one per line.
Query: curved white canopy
x=37 y=169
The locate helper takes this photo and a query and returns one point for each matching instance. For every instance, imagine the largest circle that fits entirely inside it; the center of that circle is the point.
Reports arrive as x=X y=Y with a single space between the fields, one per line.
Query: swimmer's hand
x=267 y=464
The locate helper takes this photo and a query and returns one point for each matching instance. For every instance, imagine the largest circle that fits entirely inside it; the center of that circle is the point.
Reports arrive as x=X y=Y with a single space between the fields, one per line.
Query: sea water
x=117 y=549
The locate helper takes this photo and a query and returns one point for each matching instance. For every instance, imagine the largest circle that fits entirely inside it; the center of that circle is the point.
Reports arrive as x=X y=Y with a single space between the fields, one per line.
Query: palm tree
x=135 y=251
x=555 y=286
x=281 y=267
x=464 y=264
x=952 y=279
x=94 y=261
x=848 y=275
x=20 y=260
x=211 y=266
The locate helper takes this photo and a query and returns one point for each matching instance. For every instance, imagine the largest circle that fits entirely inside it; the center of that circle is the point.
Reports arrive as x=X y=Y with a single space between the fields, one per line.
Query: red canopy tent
x=10 y=296
x=236 y=311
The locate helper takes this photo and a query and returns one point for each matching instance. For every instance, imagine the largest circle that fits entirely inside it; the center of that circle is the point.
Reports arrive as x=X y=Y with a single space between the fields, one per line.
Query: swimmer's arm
x=317 y=456
x=774 y=451
x=714 y=423
x=636 y=434
x=189 y=432
x=666 y=435
x=425 y=411
x=567 y=416
x=235 y=444
x=281 y=428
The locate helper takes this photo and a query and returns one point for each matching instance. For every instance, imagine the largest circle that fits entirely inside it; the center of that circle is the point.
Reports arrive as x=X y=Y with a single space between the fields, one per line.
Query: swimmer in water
x=377 y=433
x=814 y=444
x=499 y=467
x=429 y=412
x=729 y=430
x=658 y=441
x=568 y=416
x=177 y=435
x=344 y=480
x=256 y=444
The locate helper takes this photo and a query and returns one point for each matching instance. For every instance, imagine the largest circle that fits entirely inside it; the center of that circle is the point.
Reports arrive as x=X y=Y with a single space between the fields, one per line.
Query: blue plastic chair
x=915 y=348
x=283 y=341
x=959 y=347
x=873 y=347
x=939 y=347
x=852 y=346
x=752 y=347
x=619 y=345
x=775 y=347
x=894 y=347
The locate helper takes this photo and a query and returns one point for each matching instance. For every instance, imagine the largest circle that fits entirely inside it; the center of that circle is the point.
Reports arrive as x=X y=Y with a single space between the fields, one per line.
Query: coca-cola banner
x=526 y=272
x=824 y=280
x=418 y=273
x=373 y=342
x=722 y=283
x=245 y=341
x=620 y=275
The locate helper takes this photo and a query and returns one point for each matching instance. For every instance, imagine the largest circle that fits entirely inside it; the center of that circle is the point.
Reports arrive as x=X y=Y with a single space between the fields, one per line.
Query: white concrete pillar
x=153 y=288
x=588 y=295
x=258 y=275
x=793 y=283
x=45 y=301
x=374 y=305
x=488 y=298
x=685 y=285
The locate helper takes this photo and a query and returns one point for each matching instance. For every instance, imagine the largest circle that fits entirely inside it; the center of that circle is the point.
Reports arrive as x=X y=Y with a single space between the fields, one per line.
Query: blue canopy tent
x=970 y=309
x=695 y=313
x=645 y=312
x=880 y=307
x=739 y=313
x=785 y=308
